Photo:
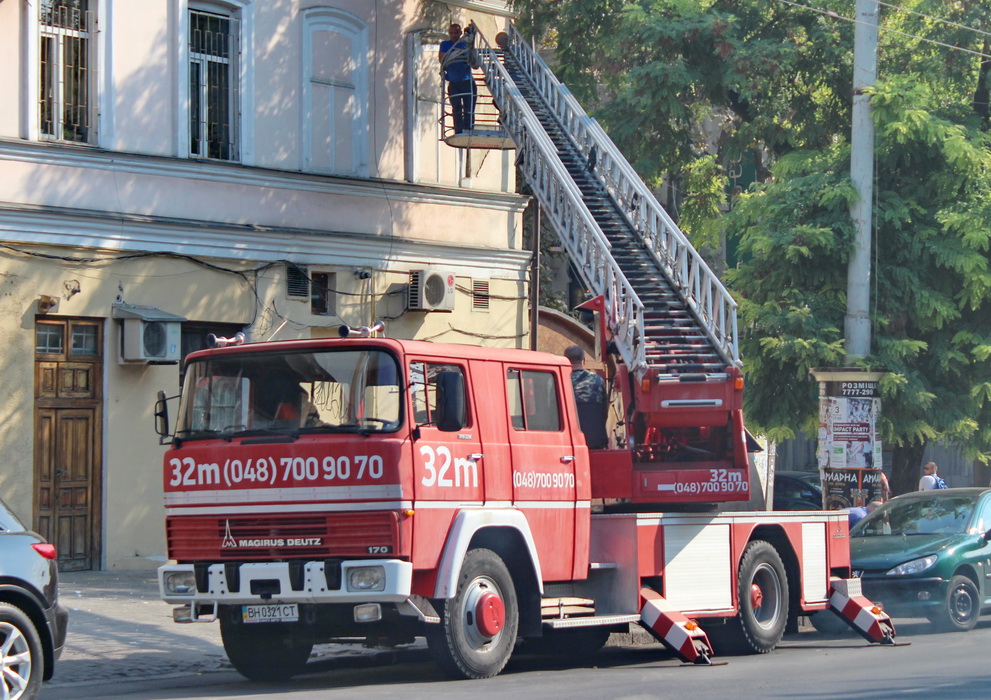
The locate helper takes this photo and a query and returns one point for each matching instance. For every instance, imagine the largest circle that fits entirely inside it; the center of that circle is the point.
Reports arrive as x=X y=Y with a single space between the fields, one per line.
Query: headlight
x=366 y=578
x=916 y=566
x=180 y=583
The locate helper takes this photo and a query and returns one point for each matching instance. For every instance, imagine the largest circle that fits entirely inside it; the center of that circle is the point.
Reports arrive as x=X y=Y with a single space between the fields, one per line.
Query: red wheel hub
x=756 y=596
x=490 y=614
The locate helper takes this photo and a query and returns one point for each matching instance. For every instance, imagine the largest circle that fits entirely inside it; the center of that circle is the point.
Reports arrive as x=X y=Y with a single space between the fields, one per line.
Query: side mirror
x=987 y=536
x=162 y=417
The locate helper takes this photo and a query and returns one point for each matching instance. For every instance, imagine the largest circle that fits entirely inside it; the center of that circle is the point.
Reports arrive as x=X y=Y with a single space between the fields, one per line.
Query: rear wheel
x=478 y=626
x=262 y=652
x=762 y=588
x=21 y=665
x=960 y=610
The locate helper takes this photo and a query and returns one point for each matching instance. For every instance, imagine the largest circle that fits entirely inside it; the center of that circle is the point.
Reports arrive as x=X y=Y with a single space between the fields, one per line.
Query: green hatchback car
x=928 y=553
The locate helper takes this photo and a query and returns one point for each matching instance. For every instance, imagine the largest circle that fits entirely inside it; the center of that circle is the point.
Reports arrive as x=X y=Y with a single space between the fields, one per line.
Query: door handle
x=567 y=459
x=476 y=456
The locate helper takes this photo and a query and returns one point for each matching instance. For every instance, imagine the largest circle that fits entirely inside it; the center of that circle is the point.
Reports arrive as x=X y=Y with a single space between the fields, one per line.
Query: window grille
x=213 y=85
x=480 y=295
x=67 y=49
x=297 y=282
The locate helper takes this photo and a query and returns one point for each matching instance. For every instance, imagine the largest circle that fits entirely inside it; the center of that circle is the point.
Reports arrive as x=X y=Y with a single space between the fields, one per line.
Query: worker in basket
x=456 y=70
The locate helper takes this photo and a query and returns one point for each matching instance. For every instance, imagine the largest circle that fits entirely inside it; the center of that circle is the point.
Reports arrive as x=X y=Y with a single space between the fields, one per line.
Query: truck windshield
x=290 y=393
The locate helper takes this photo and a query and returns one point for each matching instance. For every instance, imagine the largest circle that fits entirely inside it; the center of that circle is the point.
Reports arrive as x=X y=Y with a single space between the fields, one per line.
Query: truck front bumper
x=331 y=581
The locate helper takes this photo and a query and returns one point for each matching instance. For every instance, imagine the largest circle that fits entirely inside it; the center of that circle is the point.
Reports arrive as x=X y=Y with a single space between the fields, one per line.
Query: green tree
x=685 y=83
x=932 y=297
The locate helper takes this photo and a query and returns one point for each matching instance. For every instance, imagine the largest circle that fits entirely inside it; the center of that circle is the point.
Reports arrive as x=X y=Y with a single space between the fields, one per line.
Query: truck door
x=447 y=452
x=543 y=460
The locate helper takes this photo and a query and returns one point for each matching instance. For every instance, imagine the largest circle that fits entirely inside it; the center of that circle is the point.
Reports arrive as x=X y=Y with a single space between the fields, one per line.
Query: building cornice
x=490 y=7
x=109 y=232
x=64 y=155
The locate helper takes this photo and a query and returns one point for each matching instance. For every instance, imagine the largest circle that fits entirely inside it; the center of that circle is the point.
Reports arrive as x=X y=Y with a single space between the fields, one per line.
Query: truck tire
x=477 y=629
x=21 y=660
x=263 y=652
x=762 y=589
x=960 y=609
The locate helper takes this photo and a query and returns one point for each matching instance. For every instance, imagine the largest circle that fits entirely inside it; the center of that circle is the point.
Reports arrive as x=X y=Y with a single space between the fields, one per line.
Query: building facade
x=174 y=168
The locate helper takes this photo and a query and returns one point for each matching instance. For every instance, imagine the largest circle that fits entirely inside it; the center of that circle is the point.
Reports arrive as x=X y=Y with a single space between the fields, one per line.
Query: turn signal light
x=691 y=625
x=408 y=512
x=738 y=383
x=877 y=610
x=46 y=550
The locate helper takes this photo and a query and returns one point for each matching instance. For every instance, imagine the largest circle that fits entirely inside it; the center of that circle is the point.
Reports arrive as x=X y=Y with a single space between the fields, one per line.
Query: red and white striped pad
x=848 y=601
x=672 y=629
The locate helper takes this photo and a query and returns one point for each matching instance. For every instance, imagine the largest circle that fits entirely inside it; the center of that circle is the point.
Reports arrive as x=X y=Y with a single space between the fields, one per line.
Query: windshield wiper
x=352 y=428
x=202 y=434
x=292 y=433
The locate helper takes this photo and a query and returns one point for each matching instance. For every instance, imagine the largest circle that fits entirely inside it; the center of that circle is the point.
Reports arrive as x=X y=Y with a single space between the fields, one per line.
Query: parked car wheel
x=962 y=607
x=21 y=663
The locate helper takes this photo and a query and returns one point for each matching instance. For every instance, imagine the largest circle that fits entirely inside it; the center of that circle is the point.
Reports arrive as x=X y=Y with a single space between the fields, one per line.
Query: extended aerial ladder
x=667 y=319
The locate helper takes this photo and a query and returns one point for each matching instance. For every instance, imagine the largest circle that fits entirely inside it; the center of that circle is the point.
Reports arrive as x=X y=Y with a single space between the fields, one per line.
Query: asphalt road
x=807 y=665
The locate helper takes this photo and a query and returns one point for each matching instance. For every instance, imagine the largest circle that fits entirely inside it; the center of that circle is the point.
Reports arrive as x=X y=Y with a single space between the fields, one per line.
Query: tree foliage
x=686 y=85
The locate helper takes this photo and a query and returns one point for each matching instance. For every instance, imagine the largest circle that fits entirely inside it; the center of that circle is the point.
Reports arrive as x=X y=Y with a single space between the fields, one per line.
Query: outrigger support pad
x=867 y=619
x=672 y=629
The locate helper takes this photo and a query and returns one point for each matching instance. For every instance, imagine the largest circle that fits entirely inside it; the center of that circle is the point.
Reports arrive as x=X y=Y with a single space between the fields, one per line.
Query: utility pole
x=857 y=325
x=850 y=453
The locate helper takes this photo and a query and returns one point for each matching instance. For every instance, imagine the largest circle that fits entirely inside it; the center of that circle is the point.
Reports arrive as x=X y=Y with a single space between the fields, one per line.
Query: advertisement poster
x=849 y=455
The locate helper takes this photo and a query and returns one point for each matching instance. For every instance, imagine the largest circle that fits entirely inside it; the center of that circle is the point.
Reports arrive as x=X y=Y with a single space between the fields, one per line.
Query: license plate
x=288 y=612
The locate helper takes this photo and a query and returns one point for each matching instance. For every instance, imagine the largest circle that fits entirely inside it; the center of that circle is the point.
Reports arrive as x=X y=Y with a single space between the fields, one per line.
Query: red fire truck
x=378 y=490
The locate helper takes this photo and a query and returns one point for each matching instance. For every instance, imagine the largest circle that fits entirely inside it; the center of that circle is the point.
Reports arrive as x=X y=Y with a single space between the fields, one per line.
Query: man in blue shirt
x=457 y=73
x=858 y=513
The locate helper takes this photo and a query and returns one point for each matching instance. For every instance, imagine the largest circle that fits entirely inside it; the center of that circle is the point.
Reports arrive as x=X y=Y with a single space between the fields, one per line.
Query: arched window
x=335 y=92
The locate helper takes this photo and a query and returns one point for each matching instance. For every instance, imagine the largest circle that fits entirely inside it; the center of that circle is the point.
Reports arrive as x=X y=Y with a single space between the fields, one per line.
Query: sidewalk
x=120 y=628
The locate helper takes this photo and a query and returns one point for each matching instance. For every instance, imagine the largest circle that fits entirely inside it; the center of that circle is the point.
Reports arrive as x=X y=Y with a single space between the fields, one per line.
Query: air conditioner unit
x=431 y=290
x=151 y=341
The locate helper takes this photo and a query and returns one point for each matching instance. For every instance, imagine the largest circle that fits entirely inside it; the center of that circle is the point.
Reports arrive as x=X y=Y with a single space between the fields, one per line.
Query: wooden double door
x=68 y=464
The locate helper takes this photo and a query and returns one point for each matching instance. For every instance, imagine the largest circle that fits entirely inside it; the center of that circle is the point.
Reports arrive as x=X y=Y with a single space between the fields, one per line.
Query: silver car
x=32 y=622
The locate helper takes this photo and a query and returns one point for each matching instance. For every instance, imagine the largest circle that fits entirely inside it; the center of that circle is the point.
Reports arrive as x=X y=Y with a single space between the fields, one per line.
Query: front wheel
x=762 y=589
x=21 y=665
x=478 y=626
x=960 y=610
x=262 y=652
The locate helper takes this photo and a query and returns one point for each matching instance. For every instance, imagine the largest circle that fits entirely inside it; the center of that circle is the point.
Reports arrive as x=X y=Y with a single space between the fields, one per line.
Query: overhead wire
x=854 y=20
x=899 y=8
x=250 y=277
